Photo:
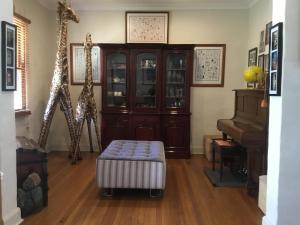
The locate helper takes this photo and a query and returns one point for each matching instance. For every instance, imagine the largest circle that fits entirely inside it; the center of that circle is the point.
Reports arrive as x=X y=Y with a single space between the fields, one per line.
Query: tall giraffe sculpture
x=86 y=107
x=59 y=90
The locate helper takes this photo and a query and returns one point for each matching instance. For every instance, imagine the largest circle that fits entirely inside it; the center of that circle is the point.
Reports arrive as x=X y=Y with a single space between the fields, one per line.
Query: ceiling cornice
x=158 y=6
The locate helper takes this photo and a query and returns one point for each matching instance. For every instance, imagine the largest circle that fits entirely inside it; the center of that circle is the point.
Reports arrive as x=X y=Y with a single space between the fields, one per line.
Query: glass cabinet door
x=175 y=80
x=146 y=80
x=116 y=91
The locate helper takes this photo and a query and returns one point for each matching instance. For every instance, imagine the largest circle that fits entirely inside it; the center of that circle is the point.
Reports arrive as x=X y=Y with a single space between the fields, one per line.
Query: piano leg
x=213 y=156
x=255 y=166
x=221 y=168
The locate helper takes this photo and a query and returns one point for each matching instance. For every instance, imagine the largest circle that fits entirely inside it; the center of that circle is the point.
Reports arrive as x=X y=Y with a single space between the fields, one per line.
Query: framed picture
x=266 y=63
x=9 y=56
x=147 y=27
x=261 y=61
x=78 y=64
x=267 y=36
x=262 y=42
x=275 y=54
x=252 y=57
x=209 y=65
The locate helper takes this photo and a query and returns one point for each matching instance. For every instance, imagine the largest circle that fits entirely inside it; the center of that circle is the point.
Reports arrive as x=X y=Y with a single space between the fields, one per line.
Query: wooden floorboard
x=189 y=198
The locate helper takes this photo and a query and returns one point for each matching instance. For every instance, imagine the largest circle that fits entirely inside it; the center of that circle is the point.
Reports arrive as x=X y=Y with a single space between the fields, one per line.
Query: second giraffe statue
x=86 y=107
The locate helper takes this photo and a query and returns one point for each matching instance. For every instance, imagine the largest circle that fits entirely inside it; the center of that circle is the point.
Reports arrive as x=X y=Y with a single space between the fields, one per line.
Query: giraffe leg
x=47 y=119
x=66 y=107
x=88 y=120
x=79 y=121
x=95 y=121
x=79 y=126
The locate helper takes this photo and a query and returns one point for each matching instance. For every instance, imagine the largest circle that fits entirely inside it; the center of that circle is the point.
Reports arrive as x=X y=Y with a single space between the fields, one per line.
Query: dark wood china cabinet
x=146 y=95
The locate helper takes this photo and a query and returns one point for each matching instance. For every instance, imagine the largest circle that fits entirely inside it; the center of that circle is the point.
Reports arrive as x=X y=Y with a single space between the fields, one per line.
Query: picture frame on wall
x=252 y=57
x=262 y=41
x=209 y=65
x=275 y=54
x=147 y=27
x=260 y=61
x=77 y=61
x=266 y=63
x=267 y=36
x=9 y=56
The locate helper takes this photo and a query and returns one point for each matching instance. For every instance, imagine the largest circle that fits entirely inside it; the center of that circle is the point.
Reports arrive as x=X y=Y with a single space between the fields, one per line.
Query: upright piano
x=249 y=127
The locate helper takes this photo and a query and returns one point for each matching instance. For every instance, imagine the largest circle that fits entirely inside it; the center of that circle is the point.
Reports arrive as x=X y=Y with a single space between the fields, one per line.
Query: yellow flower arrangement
x=253 y=74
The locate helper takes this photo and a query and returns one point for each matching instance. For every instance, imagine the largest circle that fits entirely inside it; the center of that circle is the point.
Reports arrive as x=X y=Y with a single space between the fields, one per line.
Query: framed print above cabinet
x=209 y=65
x=77 y=60
x=147 y=27
x=9 y=56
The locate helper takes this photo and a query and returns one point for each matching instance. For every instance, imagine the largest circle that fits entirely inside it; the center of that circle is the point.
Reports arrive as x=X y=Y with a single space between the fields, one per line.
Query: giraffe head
x=66 y=13
x=88 y=41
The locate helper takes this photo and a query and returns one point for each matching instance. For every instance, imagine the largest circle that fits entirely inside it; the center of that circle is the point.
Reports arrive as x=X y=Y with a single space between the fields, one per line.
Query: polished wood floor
x=189 y=198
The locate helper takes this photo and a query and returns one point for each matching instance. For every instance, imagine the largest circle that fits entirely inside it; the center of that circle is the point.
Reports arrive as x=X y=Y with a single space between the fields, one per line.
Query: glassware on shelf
x=145 y=81
x=180 y=63
x=116 y=94
x=175 y=81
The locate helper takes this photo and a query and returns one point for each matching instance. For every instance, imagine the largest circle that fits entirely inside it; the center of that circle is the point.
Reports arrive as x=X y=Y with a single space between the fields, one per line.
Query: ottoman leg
x=107 y=192
x=156 y=193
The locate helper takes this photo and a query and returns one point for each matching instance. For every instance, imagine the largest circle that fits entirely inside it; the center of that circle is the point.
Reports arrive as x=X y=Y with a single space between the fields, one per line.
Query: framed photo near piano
x=252 y=57
x=9 y=56
x=275 y=58
x=260 y=62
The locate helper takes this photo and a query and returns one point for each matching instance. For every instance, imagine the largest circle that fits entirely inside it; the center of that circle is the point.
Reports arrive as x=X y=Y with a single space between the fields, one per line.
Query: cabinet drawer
x=114 y=127
x=146 y=128
x=175 y=135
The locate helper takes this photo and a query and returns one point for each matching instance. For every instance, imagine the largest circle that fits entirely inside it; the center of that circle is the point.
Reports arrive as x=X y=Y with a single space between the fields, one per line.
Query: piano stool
x=228 y=150
x=207 y=145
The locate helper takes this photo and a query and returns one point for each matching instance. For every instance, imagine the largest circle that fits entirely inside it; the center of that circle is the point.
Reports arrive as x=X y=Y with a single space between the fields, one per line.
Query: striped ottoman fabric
x=132 y=164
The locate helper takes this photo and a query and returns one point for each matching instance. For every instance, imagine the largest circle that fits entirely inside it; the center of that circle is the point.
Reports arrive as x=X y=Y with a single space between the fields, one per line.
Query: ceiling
x=152 y=4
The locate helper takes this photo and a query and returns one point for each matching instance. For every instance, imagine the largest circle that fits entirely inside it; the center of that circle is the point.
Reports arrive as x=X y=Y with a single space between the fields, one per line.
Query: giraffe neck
x=62 y=38
x=89 y=71
x=61 y=55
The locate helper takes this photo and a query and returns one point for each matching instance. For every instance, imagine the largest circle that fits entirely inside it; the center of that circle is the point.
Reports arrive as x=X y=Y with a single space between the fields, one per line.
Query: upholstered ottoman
x=132 y=164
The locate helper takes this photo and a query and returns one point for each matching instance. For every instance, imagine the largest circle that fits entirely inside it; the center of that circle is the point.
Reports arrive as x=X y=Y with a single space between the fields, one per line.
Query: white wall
x=283 y=191
x=193 y=27
x=289 y=176
x=42 y=47
x=259 y=15
x=10 y=212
